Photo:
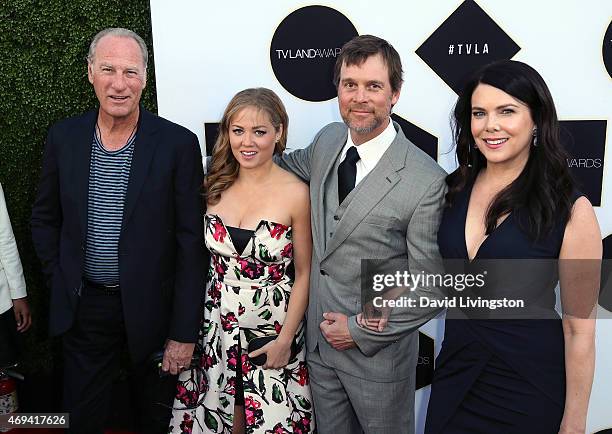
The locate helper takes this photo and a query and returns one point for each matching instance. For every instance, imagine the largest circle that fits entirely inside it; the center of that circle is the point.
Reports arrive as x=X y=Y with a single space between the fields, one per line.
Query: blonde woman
x=252 y=376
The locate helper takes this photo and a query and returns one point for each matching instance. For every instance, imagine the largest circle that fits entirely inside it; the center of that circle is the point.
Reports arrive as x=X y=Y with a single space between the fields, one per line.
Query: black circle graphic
x=607 y=49
x=304 y=49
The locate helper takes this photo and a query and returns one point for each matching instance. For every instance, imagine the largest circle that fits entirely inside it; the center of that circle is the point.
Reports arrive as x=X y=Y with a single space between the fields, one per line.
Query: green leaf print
x=262 y=384
x=210 y=421
x=266 y=314
x=277 y=395
x=264 y=253
x=257 y=296
x=277 y=297
x=303 y=402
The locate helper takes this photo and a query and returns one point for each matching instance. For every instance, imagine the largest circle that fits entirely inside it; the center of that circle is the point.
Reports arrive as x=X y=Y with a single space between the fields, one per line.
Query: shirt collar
x=371 y=151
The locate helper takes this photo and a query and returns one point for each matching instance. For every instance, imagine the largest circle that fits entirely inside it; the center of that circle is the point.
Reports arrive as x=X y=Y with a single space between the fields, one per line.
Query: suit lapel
x=82 y=140
x=371 y=190
x=144 y=148
x=335 y=146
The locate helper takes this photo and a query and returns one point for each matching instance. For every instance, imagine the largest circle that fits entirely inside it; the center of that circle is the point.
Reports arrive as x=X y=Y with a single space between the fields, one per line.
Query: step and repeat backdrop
x=206 y=52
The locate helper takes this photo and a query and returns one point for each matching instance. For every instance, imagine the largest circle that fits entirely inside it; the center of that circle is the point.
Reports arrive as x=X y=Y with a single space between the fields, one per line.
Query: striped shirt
x=109 y=173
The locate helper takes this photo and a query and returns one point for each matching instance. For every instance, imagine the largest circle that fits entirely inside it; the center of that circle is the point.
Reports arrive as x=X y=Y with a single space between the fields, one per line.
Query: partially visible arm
x=300 y=161
x=9 y=255
x=579 y=271
x=46 y=218
x=190 y=258
x=423 y=257
x=278 y=351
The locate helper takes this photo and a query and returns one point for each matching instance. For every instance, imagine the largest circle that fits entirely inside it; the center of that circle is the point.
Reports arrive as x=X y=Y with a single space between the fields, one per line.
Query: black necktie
x=347 y=172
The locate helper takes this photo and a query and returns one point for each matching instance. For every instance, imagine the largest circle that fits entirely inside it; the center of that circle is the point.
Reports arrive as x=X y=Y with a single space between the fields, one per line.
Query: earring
x=535 y=136
x=469 y=162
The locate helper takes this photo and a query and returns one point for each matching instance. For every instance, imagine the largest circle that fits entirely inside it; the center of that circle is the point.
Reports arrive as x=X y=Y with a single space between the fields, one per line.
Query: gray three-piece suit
x=392 y=214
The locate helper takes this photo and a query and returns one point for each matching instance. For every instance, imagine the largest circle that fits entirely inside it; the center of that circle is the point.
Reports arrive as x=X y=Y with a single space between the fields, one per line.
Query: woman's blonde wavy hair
x=223 y=169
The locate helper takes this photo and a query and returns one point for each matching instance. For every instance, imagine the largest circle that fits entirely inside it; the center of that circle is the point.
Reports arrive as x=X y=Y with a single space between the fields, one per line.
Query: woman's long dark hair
x=542 y=192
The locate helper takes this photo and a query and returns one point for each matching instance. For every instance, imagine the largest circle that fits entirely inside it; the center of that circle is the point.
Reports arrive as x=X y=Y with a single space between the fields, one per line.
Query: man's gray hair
x=121 y=32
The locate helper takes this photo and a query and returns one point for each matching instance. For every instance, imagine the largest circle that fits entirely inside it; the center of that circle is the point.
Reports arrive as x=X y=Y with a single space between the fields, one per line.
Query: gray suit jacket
x=392 y=214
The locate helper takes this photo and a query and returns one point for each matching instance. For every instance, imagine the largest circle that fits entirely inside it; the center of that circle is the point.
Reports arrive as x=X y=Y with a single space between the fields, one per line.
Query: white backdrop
x=205 y=52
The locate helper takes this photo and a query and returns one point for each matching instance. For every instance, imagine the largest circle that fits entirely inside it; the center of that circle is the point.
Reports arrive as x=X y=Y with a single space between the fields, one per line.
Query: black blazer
x=162 y=259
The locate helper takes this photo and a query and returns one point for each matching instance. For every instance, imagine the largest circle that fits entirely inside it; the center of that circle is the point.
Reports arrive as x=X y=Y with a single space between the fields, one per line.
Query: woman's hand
x=277 y=354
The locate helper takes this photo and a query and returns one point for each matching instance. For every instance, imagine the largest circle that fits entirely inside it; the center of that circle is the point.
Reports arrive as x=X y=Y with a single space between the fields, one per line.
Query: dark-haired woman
x=513 y=198
x=257 y=225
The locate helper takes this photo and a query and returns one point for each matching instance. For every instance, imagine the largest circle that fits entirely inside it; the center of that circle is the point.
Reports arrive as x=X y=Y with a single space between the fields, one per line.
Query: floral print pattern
x=247 y=296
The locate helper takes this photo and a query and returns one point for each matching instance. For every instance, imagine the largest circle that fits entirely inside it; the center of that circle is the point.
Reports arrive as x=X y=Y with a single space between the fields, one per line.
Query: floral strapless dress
x=247 y=296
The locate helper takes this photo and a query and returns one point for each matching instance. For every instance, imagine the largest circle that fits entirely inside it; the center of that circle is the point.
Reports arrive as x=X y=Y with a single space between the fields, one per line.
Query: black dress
x=500 y=375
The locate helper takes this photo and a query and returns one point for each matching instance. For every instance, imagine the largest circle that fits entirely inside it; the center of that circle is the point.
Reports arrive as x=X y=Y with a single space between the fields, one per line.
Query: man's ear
x=90 y=72
x=395 y=96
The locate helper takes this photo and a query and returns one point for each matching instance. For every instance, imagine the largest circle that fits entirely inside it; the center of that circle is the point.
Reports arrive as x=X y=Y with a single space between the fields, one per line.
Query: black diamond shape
x=427 y=142
x=467 y=40
x=211 y=130
x=425 y=365
x=585 y=141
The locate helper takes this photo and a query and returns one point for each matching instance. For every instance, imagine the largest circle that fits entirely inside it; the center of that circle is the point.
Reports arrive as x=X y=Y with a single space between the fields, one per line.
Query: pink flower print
x=214 y=292
x=250 y=269
x=277 y=327
x=185 y=396
x=186 y=425
x=220 y=232
x=229 y=322
x=276 y=272
x=277 y=230
x=302 y=374
x=253 y=412
x=287 y=251
x=220 y=267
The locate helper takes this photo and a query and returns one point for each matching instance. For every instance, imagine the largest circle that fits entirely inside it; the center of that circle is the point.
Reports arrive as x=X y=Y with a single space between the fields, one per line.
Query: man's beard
x=376 y=122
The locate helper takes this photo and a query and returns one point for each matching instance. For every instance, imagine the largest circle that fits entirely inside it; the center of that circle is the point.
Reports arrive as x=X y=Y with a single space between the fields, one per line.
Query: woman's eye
x=260 y=133
x=237 y=131
x=478 y=114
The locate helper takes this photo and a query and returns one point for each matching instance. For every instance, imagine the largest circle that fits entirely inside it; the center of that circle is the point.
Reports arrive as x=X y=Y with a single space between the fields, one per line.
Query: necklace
x=129 y=139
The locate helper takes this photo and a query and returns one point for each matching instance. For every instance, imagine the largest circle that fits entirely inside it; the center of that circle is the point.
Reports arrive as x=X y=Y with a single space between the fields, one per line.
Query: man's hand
x=335 y=331
x=373 y=318
x=177 y=356
x=22 y=314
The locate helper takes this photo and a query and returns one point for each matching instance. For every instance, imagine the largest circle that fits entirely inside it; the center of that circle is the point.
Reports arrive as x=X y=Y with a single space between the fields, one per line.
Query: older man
x=374 y=195
x=117 y=225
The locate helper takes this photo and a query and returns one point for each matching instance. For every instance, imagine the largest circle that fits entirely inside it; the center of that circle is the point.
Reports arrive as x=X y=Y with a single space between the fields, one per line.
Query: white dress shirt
x=12 y=283
x=370 y=152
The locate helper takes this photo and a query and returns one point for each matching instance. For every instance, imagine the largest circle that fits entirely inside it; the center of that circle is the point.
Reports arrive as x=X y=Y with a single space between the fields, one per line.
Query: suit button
x=323 y=273
x=336 y=217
